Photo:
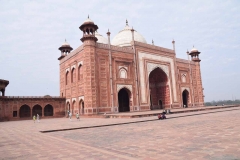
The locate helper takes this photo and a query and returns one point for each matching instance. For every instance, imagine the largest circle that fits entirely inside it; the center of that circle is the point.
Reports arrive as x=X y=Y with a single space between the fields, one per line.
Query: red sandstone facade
x=100 y=77
x=18 y=107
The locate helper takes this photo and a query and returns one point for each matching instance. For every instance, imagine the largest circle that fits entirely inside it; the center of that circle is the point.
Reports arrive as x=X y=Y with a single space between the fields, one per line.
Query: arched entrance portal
x=37 y=109
x=123 y=100
x=48 y=110
x=185 y=95
x=25 y=111
x=159 y=89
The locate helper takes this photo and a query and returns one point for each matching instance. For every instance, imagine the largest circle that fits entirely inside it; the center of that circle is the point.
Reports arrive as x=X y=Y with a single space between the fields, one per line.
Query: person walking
x=38 y=118
x=34 y=118
x=70 y=116
x=77 y=116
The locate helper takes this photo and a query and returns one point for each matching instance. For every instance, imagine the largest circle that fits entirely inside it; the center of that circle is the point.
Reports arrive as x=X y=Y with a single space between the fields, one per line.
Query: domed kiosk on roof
x=194 y=53
x=193 y=50
x=124 y=37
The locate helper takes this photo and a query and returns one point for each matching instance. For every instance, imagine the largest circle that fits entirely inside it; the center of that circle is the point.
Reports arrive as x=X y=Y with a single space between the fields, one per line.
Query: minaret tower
x=90 y=67
x=65 y=49
x=197 y=80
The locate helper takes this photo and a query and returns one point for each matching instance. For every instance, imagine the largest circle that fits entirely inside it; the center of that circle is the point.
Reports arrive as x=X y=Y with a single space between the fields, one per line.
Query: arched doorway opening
x=185 y=96
x=160 y=103
x=67 y=108
x=37 y=109
x=48 y=110
x=159 y=89
x=123 y=100
x=25 y=111
x=81 y=106
x=74 y=108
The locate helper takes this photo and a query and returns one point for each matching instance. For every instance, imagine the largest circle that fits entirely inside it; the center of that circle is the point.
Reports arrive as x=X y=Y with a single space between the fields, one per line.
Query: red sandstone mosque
x=126 y=74
x=122 y=75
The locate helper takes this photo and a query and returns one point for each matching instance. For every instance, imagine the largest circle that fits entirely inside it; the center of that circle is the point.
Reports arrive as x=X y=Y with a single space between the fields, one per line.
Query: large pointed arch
x=24 y=111
x=48 y=110
x=159 y=89
x=37 y=109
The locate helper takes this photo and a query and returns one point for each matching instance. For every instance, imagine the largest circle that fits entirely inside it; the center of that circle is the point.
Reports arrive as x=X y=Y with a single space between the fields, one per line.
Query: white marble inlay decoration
x=143 y=55
x=80 y=63
x=67 y=70
x=120 y=86
x=67 y=101
x=81 y=98
x=73 y=99
x=73 y=66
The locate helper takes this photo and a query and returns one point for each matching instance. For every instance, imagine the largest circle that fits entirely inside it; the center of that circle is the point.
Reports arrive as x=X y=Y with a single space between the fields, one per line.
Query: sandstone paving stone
x=205 y=136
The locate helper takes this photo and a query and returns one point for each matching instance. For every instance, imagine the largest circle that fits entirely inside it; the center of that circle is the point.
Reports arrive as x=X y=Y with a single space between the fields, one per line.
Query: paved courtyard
x=209 y=135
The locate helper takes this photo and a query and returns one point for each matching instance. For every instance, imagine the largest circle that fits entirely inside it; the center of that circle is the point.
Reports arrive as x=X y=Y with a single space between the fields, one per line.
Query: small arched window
x=184 y=78
x=79 y=72
x=122 y=73
x=73 y=76
x=67 y=77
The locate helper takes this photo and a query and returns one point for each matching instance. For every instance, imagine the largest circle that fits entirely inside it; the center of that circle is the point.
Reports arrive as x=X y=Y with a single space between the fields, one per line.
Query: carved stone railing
x=115 y=48
x=154 y=47
x=31 y=97
x=184 y=61
x=71 y=54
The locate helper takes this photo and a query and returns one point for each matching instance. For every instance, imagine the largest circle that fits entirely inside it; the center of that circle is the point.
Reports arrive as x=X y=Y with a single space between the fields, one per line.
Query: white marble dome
x=88 y=20
x=124 y=37
x=100 y=38
x=65 y=44
x=194 y=50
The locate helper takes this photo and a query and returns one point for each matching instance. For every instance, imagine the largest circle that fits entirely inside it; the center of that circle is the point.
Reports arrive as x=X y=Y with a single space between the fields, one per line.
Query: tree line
x=222 y=102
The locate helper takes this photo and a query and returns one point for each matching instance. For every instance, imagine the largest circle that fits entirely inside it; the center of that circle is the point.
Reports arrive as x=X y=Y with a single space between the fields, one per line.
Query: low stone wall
x=18 y=107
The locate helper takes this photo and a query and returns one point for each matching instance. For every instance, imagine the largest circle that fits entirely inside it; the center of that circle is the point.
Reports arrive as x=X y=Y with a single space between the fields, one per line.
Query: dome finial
x=152 y=42
x=126 y=22
x=65 y=40
x=88 y=16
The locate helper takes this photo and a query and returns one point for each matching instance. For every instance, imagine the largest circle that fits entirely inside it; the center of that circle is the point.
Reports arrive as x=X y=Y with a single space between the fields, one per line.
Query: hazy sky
x=31 y=32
